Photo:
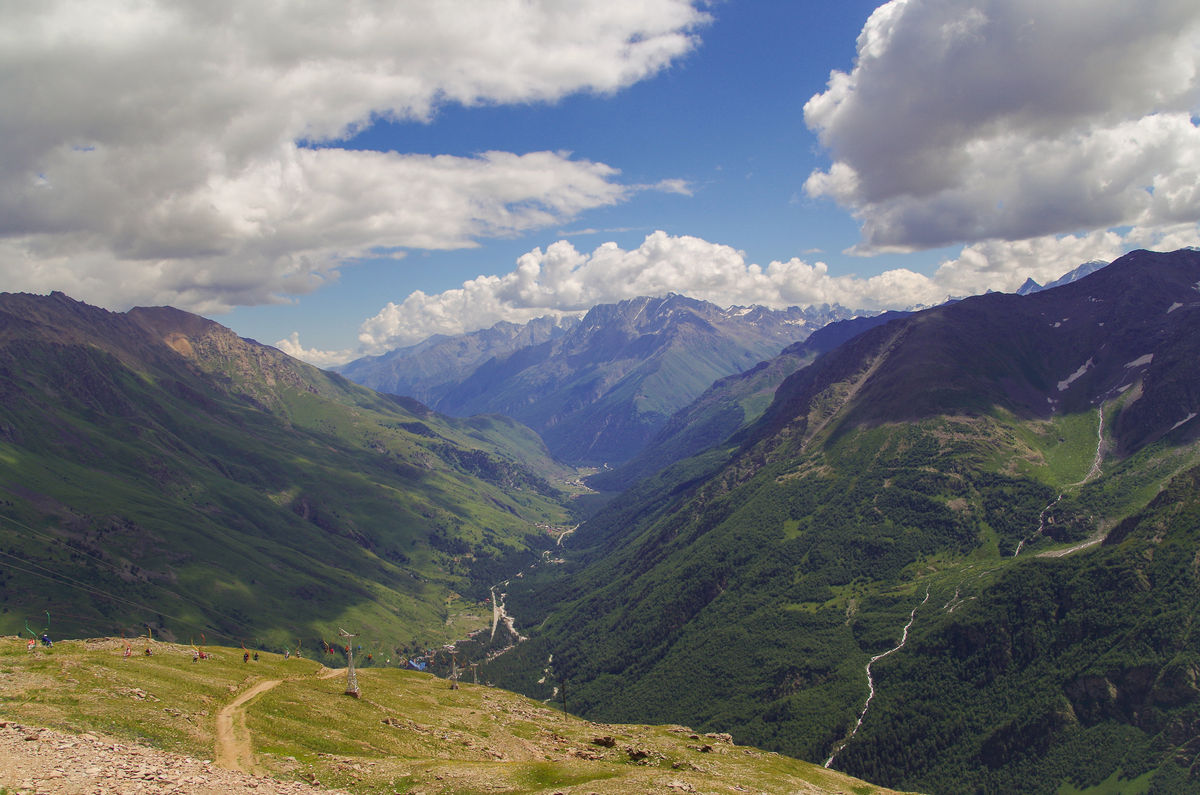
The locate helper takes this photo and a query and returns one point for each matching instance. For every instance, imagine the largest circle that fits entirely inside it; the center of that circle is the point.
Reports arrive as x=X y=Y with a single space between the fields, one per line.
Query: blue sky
x=728 y=118
x=340 y=179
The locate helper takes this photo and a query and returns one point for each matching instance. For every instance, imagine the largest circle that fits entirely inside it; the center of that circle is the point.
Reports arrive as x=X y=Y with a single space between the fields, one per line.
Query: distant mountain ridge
x=1048 y=353
x=1073 y=275
x=731 y=403
x=428 y=369
x=599 y=390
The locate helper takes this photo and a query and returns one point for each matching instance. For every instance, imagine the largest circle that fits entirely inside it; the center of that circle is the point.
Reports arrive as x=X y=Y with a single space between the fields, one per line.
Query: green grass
x=1067 y=444
x=408 y=731
x=1113 y=785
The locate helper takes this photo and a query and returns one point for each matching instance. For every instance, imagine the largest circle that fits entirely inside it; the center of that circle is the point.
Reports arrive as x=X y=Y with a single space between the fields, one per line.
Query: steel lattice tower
x=351 y=677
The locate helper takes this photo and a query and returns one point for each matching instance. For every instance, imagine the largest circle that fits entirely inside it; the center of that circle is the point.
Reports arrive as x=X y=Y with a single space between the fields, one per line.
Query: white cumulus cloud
x=1004 y=265
x=292 y=347
x=185 y=152
x=1014 y=119
x=561 y=280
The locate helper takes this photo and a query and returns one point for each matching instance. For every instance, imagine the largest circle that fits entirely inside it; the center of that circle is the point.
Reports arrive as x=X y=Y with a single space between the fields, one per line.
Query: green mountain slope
x=894 y=489
x=1080 y=668
x=155 y=469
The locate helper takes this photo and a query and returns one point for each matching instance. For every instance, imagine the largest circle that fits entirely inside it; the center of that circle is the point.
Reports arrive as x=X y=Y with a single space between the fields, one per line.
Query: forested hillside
x=907 y=491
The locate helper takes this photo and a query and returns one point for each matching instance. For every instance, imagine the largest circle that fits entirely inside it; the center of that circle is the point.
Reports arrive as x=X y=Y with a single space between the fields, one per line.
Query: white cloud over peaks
x=292 y=347
x=153 y=151
x=562 y=280
x=1004 y=265
x=1014 y=119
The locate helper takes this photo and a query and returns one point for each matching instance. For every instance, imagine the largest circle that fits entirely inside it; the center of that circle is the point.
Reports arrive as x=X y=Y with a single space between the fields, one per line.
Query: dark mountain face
x=599 y=391
x=972 y=485
x=156 y=468
x=1054 y=352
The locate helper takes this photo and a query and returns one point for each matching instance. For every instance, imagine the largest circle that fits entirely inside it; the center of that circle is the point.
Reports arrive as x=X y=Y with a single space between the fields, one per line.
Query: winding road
x=233 y=751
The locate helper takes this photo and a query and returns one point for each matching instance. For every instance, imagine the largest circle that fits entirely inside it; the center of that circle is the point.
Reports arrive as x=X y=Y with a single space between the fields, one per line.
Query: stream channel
x=837 y=748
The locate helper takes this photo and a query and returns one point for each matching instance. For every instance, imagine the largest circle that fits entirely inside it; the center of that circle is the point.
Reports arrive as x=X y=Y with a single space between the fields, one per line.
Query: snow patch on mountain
x=1183 y=421
x=1083 y=368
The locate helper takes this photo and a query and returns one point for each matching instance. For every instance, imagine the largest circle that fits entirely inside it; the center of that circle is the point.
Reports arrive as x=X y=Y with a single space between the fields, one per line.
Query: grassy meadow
x=410 y=732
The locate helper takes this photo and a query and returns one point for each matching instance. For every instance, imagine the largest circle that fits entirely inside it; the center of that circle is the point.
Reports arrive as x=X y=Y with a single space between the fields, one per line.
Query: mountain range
x=729 y=404
x=955 y=553
x=598 y=390
x=949 y=550
x=431 y=368
x=1075 y=274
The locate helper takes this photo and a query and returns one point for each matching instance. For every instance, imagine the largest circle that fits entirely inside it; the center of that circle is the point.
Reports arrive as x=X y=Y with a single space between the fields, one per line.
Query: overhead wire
x=63 y=579
x=71 y=582
x=117 y=569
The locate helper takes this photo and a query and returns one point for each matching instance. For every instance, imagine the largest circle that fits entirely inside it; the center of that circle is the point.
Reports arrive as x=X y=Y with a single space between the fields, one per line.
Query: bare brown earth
x=233 y=749
x=233 y=738
x=49 y=762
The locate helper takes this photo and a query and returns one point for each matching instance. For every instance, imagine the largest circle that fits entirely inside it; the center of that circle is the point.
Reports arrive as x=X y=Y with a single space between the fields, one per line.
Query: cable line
x=117 y=569
x=62 y=579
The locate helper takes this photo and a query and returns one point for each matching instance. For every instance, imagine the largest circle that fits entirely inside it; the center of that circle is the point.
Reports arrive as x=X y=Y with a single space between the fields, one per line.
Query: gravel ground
x=37 y=761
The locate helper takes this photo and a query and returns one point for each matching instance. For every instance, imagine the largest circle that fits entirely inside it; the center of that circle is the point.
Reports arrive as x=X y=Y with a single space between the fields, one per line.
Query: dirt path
x=1059 y=553
x=233 y=751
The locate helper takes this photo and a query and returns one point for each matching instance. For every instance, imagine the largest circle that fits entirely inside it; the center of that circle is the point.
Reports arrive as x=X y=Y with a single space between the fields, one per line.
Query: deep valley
x=942 y=551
